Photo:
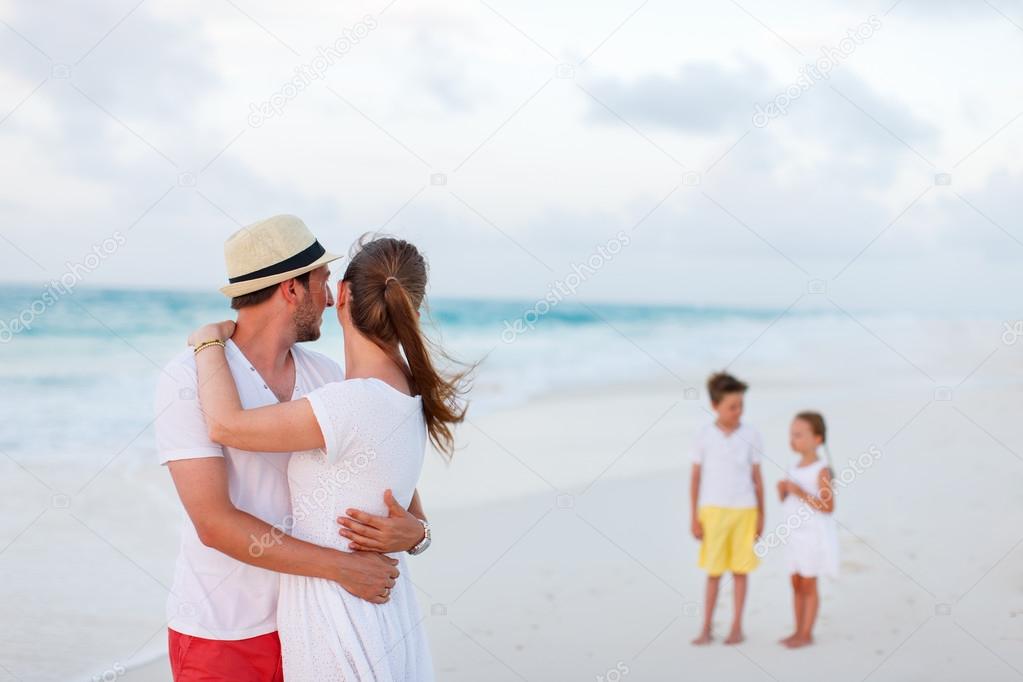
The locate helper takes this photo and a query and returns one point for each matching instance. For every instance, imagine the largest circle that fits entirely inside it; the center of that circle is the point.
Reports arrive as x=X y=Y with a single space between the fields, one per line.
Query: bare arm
x=824 y=501
x=285 y=427
x=758 y=488
x=694 y=498
x=416 y=506
x=203 y=489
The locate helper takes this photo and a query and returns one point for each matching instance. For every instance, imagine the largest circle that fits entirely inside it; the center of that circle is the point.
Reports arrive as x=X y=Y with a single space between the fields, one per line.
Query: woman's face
x=802 y=438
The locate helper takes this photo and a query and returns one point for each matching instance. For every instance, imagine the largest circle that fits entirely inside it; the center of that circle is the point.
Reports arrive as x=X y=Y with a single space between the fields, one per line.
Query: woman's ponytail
x=441 y=395
x=387 y=278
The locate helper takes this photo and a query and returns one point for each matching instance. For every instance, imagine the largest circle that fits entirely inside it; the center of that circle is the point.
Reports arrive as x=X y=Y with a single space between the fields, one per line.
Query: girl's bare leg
x=797 y=607
x=735 y=636
x=711 y=599
x=811 y=602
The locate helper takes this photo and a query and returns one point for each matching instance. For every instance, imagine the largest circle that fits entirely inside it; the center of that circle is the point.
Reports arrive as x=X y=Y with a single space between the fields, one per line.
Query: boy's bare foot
x=799 y=641
x=735 y=637
x=786 y=640
x=704 y=638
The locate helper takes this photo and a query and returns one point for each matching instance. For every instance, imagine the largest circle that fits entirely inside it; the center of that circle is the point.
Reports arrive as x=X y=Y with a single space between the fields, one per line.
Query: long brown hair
x=387 y=279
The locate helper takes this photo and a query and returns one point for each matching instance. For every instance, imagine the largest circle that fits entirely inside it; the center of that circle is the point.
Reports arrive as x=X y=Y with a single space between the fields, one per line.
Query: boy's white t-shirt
x=726 y=465
x=214 y=596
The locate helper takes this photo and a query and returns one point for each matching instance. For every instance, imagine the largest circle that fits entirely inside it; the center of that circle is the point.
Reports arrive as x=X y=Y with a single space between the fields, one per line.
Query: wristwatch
x=424 y=543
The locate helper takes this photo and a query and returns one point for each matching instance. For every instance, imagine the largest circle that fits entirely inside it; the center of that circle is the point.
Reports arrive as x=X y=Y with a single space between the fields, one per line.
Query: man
x=222 y=607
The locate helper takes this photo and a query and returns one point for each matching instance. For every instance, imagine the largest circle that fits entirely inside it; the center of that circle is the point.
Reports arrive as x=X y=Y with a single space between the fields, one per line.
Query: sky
x=513 y=142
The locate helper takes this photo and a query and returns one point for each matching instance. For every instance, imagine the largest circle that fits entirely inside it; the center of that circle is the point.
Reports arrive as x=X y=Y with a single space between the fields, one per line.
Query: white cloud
x=536 y=170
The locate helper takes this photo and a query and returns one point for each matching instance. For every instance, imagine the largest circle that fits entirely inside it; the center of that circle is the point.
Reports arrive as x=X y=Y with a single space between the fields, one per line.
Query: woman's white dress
x=375 y=439
x=811 y=549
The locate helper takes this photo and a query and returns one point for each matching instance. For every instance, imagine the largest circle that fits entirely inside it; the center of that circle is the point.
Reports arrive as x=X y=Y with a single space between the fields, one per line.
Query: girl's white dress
x=375 y=439
x=811 y=549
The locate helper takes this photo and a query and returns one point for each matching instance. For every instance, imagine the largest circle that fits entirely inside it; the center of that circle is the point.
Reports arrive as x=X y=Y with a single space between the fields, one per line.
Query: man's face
x=308 y=314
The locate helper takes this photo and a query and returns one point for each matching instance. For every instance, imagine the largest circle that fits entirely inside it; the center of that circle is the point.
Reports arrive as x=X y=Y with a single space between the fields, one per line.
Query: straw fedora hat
x=269 y=252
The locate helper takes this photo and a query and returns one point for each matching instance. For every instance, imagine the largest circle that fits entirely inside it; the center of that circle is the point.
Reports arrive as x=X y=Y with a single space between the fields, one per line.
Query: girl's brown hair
x=387 y=280
x=816 y=423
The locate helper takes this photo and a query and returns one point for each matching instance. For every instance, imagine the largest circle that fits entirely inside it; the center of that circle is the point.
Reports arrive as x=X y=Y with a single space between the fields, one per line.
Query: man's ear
x=289 y=289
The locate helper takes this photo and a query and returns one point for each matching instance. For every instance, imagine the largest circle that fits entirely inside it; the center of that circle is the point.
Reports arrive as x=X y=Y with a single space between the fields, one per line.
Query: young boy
x=727 y=495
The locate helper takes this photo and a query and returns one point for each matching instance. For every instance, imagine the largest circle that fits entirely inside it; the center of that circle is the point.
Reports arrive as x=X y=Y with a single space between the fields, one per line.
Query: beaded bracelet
x=206 y=344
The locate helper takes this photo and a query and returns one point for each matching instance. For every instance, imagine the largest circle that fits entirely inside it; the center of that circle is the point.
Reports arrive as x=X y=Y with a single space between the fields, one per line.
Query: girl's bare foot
x=704 y=638
x=799 y=641
x=735 y=637
x=786 y=640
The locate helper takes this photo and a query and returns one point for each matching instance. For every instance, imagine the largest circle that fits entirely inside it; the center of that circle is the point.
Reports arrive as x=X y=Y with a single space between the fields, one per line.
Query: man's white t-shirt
x=214 y=596
x=726 y=465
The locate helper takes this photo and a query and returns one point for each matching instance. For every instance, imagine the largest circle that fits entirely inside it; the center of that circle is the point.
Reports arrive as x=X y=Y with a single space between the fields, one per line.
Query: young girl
x=809 y=499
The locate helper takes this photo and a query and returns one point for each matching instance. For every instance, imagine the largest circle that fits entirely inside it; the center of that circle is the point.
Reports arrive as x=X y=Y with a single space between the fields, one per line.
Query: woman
x=353 y=440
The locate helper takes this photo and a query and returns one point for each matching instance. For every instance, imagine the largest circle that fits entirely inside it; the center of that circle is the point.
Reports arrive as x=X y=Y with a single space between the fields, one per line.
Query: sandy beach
x=586 y=570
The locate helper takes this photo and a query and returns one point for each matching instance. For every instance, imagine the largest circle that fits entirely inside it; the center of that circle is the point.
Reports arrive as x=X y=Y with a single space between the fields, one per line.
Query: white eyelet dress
x=811 y=550
x=375 y=439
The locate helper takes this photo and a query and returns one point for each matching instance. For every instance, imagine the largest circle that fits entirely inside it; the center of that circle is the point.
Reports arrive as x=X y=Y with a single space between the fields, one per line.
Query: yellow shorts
x=728 y=539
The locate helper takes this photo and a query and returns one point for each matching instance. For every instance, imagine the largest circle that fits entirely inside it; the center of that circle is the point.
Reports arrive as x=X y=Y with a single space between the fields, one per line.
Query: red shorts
x=194 y=659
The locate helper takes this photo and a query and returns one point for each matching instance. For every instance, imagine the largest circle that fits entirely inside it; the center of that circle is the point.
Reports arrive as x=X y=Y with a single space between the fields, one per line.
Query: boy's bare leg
x=811 y=601
x=710 y=601
x=797 y=607
x=739 y=581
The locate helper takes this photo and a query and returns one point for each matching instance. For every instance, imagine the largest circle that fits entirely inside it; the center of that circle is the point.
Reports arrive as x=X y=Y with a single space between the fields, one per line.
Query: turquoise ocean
x=79 y=370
